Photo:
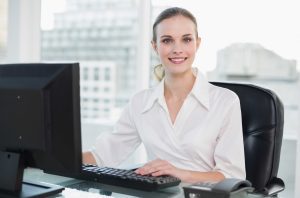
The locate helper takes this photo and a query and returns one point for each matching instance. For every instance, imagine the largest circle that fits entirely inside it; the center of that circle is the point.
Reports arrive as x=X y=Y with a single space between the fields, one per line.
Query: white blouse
x=206 y=135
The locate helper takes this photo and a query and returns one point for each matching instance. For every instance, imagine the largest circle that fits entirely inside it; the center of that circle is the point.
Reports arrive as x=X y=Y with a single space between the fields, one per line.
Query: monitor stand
x=11 y=185
x=30 y=189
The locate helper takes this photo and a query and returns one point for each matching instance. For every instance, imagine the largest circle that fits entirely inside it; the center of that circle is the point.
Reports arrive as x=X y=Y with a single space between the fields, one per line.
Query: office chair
x=262 y=119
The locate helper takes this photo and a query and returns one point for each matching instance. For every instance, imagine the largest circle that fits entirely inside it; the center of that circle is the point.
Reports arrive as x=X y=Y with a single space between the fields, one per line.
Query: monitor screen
x=40 y=119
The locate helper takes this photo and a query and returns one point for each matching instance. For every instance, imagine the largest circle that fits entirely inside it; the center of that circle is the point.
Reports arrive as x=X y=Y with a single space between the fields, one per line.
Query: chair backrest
x=262 y=119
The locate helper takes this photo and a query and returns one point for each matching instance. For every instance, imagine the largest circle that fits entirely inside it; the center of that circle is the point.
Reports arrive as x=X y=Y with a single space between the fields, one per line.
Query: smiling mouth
x=178 y=60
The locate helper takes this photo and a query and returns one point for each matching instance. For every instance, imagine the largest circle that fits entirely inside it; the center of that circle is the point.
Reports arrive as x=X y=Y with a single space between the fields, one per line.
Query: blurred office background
x=254 y=42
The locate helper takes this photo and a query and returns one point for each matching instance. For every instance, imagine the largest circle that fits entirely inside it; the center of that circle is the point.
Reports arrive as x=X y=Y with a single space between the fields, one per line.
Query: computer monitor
x=39 y=124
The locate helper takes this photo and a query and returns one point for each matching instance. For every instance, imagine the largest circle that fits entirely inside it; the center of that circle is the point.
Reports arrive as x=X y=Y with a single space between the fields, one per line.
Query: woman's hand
x=160 y=167
x=88 y=158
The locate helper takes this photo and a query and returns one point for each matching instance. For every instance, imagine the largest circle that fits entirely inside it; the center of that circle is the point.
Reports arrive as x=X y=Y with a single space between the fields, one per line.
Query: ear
x=154 y=46
x=198 y=42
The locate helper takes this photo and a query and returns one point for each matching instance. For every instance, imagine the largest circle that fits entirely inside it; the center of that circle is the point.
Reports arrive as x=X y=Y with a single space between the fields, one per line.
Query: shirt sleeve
x=229 y=152
x=113 y=148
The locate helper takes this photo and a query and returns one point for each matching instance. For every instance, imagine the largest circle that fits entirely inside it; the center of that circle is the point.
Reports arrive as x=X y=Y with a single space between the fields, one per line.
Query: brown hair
x=169 y=13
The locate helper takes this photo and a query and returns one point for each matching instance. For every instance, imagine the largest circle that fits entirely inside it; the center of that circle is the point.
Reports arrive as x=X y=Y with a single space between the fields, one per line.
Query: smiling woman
x=184 y=122
x=176 y=41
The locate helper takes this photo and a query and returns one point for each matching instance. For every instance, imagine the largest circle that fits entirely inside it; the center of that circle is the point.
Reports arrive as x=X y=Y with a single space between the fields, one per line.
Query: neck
x=179 y=86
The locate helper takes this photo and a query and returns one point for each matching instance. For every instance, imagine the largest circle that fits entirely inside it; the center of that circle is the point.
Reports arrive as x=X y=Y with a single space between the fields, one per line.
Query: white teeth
x=177 y=59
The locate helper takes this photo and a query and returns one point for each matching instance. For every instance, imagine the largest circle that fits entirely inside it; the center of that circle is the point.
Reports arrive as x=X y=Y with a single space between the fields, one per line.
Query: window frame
x=23 y=38
x=25 y=16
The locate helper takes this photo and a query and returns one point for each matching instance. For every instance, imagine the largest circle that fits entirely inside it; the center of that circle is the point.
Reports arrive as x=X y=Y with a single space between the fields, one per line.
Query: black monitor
x=39 y=124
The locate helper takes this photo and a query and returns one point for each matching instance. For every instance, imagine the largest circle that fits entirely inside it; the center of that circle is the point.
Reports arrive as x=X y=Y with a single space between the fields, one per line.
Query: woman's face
x=176 y=44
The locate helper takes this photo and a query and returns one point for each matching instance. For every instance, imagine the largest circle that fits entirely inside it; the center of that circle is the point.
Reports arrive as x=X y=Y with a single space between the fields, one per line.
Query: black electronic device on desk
x=127 y=178
x=228 y=188
x=39 y=125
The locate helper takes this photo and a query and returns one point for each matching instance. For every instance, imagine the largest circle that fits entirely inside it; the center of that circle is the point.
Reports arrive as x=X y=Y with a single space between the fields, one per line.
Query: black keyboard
x=127 y=178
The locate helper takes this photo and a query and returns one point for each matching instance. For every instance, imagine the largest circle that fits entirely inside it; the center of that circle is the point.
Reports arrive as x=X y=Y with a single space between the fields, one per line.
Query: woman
x=191 y=129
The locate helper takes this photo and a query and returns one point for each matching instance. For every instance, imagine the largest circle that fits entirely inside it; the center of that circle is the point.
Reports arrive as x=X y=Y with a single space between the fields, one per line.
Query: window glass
x=102 y=36
x=3 y=29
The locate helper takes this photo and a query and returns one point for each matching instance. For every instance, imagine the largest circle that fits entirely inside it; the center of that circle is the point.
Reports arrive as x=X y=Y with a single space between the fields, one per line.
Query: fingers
x=156 y=168
x=88 y=158
x=152 y=169
x=164 y=170
x=149 y=167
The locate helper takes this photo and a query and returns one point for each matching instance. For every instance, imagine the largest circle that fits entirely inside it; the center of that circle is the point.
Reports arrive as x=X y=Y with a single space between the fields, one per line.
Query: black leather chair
x=262 y=118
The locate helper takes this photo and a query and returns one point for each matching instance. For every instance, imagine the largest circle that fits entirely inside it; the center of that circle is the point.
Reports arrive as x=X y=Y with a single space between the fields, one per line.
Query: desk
x=118 y=192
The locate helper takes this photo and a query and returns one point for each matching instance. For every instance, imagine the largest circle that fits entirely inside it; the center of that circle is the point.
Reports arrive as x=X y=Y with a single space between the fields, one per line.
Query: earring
x=159 y=72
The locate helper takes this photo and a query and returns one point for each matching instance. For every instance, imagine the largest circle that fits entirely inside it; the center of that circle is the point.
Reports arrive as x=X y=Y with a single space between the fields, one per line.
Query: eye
x=187 y=39
x=166 y=41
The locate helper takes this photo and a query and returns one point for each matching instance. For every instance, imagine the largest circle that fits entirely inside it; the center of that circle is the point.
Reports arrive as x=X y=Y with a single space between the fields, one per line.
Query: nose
x=177 y=48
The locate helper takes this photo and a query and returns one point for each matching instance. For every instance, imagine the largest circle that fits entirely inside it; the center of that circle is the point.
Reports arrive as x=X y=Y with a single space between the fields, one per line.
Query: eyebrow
x=168 y=36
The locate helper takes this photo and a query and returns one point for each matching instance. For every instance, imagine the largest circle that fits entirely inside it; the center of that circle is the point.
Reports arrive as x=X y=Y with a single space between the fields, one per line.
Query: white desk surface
x=118 y=192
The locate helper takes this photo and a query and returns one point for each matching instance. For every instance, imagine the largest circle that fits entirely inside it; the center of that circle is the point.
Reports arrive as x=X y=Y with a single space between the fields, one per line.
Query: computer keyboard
x=127 y=178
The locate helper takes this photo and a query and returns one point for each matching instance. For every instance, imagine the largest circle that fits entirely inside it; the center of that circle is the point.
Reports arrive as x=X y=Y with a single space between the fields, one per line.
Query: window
x=85 y=74
x=96 y=74
x=98 y=34
x=3 y=29
x=107 y=74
